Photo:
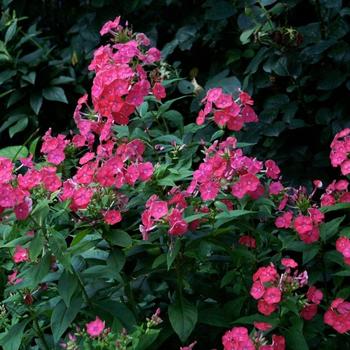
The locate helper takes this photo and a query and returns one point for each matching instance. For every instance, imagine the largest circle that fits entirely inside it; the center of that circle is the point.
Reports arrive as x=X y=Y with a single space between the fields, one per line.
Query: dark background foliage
x=293 y=56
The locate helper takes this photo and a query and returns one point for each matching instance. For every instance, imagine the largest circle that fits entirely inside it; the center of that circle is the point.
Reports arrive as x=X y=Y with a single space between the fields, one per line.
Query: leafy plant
x=141 y=213
x=33 y=77
x=274 y=50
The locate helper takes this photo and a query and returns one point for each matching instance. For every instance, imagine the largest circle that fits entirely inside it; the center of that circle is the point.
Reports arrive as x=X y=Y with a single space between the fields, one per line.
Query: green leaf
x=274 y=129
x=121 y=130
x=172 y=253
x=14 y=152
x=166 y=105
x=345 y=273
x=116 y=261
x=18 y=241
x=174 y=117
x=37 y=272
x=256 y=61
x=62 y=80
x=194 y=217
x=186 y=35
x=144 y=341
x=11 y=31
x=216 y=135
x=169 y=139
x=59 y=248
x=335 y=207
x=330 y=80
x=143 y=109
x=36 y=245
x=245 y=36
x=214 y=316
x=30 y=77
x=230 y=84
x=79 y=236
x=256 y=318
x=289 y=305
x=67 y=285
x=185 y=87
x=331 y=3
x=219 y=10
x=329 y=229
x=18 y=127
x=62 y=317
x=119 y=238
x=310 y=252
x=229 y=215
x=6 y=75
x=268 y=2
x=183 y=317
x=33 y=145
x=13 y=338
x=55 y=93
x=36 y=101
x=118 y=311
x=4 y=54
x=294 y=335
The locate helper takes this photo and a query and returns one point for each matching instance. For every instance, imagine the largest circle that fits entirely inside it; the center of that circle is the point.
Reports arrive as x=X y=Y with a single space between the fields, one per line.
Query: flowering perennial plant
x=238 y=339
x=136 y=210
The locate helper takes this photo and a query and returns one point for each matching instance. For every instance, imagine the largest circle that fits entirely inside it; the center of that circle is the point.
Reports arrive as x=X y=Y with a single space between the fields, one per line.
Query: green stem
x=40 y=333
x=36 y=325
x=267 y=14
x=179 y=276
x=25 y=143
x=82 y=287
x=43 y=228
x=165 y=124
x=324 y=274
x=130 y=296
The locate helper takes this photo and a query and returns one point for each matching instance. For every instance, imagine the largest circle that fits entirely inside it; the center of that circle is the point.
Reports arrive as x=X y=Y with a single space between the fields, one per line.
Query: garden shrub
x=141 y=229
x=275 y=50
x=34 y=79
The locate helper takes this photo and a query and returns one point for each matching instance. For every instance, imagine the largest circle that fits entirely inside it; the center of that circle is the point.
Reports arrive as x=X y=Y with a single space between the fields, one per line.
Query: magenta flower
x=95 y=328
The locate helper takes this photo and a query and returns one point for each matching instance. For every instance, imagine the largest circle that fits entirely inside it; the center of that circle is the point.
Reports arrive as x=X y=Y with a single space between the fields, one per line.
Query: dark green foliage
x=292 y=56
x=34 y=79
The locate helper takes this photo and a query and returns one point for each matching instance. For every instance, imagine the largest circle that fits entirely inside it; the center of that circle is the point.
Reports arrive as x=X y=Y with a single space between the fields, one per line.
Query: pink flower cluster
x=110 y=167
x=314 y=297
x=158 y=210
x=13 y=279
x=109 y=26
x=20 y=254
x=53 y=147
x=6 y=169
x=307 y=226
x=120 y=85
x=227 y=111
x=340 y=150
x=14 y=194
x=265 y=289
x=343 y=247
x=269 y=286
x=336 y=192
x=121 y=82
x=338 y=315
x=225 y=167
x=238 y=338
x=247 y=241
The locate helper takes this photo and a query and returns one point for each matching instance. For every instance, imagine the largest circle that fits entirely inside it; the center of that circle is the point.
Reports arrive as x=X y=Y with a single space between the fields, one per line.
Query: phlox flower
x=95 y=328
